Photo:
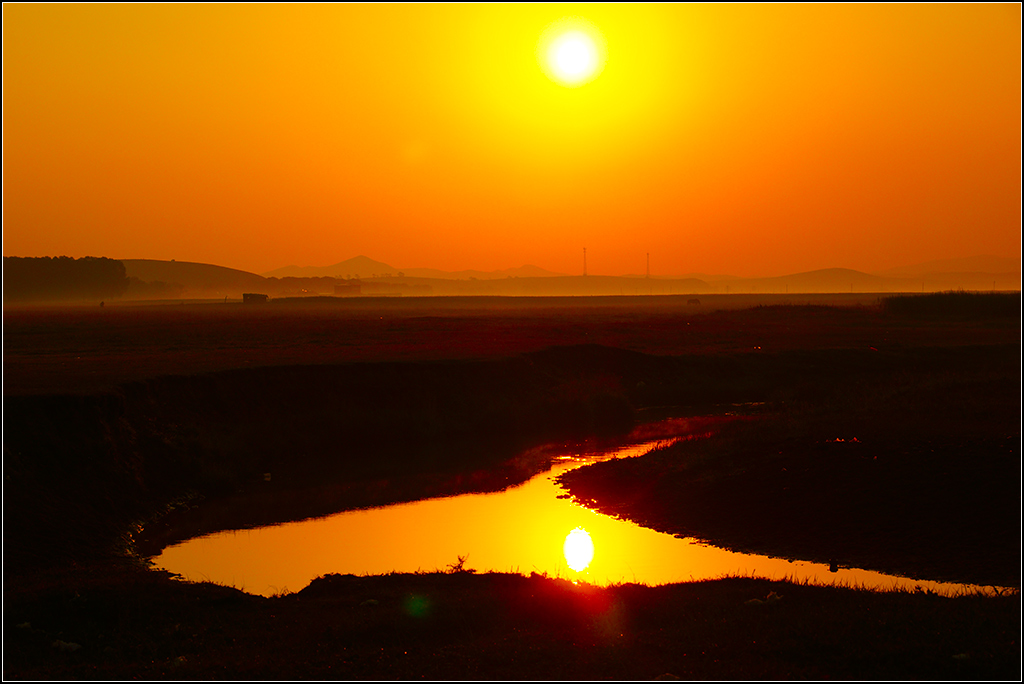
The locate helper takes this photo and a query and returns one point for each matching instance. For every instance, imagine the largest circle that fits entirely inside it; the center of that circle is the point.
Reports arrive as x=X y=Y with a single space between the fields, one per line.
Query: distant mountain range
x=177 y=279
x=364 y=267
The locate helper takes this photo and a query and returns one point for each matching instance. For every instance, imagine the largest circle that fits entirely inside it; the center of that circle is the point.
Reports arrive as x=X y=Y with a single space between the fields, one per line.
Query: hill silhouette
x=359 y=266
x=985 y=263
x=194 y=276
x=823 y=280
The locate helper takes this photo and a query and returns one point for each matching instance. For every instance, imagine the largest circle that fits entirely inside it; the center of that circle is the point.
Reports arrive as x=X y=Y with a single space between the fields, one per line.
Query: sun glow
x=573 y=56
x=571 y=52
x=578 y=549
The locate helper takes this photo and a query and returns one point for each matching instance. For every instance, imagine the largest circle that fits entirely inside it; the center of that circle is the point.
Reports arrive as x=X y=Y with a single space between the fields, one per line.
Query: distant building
x=254 y=298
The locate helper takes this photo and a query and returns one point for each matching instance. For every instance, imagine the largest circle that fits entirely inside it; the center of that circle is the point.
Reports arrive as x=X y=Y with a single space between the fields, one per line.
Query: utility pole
x=648 y=264
x=584 y=261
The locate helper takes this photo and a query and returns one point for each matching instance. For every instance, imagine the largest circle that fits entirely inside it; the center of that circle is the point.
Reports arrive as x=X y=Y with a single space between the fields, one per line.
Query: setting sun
x=573 y=57
x=571 y=52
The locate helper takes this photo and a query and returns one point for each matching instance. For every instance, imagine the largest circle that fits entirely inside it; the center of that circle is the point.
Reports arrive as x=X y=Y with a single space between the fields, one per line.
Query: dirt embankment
x=438 y=626
x=79 y=470
x=913 y=472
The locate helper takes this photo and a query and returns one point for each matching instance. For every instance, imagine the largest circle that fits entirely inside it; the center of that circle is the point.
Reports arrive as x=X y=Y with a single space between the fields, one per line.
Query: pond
x=528 y=528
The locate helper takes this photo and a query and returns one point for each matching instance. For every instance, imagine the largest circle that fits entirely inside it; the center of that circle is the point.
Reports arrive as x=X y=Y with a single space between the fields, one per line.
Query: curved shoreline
x=913 y=494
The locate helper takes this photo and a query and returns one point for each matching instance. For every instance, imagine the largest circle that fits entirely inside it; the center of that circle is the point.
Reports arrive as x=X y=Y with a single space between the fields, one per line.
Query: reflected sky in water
x=523 y=529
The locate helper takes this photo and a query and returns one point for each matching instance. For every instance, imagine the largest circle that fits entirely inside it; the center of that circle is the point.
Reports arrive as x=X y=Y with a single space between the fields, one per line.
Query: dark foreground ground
x=499 y=626
x=889 y=439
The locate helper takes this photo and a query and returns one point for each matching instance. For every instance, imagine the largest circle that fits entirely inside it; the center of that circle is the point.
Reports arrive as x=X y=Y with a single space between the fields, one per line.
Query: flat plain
x=84 y=349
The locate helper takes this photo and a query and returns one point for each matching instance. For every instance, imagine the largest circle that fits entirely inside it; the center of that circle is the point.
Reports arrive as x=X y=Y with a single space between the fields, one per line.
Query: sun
x=571 y=52
x=573 y=56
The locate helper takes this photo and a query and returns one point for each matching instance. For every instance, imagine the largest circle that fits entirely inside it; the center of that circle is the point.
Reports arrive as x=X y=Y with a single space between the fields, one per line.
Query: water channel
x=523 y=529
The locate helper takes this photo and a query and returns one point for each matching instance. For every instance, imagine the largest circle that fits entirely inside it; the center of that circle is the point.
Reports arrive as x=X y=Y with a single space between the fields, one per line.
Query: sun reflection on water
x=578 y=549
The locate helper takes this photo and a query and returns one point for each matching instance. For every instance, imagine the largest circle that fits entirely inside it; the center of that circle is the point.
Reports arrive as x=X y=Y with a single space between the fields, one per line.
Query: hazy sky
x=742 y=139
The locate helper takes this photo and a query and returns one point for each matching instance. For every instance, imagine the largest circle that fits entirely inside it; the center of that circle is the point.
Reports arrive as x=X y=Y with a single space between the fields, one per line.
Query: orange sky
x=743 y=139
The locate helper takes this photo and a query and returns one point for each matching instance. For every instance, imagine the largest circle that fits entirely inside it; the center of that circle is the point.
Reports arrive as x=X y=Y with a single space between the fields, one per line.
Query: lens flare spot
x=578 y=549
x=416 y=606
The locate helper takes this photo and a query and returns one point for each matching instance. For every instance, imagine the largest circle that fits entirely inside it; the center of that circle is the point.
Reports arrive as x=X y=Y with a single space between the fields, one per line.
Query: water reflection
x=522 y=529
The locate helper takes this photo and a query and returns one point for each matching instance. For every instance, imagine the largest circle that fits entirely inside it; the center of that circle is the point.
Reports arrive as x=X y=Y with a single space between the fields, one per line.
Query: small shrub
x=459 y=566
